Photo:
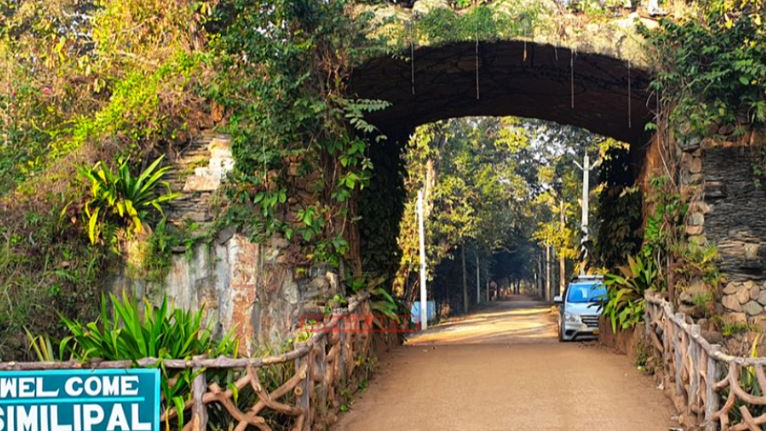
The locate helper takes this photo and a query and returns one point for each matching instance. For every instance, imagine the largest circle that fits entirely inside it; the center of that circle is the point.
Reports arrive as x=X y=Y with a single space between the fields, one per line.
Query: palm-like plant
x=625 y=298
x=125 y=331
x=123 y=197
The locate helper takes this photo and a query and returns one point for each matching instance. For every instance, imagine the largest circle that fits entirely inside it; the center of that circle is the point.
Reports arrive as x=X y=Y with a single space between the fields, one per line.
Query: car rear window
x=590 y=292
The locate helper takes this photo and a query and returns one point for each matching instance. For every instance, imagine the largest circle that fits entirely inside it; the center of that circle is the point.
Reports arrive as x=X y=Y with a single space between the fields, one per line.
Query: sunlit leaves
x=120 y=197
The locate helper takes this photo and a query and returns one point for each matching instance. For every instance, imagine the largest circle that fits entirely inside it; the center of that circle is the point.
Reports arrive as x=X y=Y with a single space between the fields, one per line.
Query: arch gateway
x=591 y=75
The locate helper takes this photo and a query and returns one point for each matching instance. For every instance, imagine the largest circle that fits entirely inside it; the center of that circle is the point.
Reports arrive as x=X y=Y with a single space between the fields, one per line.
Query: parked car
x=580 y=307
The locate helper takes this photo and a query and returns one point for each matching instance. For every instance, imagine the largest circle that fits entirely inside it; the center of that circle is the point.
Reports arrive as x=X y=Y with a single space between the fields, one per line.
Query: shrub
x=124 y=332
x=625 y=291
x=120 y=197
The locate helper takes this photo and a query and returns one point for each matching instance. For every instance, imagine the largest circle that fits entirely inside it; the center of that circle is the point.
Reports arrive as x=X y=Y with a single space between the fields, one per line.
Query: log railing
x=321 y=370
x=712 y=389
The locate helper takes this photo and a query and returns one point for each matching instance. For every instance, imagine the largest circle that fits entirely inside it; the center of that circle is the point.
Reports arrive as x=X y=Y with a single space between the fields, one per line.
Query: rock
x=197 y=183
x=692 y=179
x=755 y=291
x=743 y=294
x=731 y=303
x=731 y=288
x=695 y=165
x=694 y=230
x=690 y=143
x=715 y=190
x=753 y=308
x=762 y=297
x=696 y=219
x=226 y=234
x=735 y=318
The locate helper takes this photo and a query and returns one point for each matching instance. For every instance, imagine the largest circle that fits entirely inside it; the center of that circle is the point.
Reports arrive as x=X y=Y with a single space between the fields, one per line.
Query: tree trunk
x=465 y=281
x=548 y=273
x=562 y=261
x=478 y=278
x=562 y=274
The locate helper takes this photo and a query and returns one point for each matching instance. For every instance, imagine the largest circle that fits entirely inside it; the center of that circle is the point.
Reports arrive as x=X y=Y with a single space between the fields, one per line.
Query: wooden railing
x=322 y=369
x=710 y=388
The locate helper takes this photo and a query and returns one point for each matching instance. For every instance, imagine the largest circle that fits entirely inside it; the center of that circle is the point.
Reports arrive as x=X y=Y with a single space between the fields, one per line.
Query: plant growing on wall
x=122 y=198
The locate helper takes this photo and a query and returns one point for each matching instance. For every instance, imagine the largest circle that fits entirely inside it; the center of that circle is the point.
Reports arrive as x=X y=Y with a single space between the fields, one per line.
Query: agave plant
x=122 y=197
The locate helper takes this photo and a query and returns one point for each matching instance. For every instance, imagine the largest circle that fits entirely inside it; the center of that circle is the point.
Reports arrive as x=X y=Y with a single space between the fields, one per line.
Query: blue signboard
x=80 y=400
x=415 y=311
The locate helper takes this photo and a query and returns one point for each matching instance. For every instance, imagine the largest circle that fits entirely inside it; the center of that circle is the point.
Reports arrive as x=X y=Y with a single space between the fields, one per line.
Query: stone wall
x=728 y=209
x=244 y=286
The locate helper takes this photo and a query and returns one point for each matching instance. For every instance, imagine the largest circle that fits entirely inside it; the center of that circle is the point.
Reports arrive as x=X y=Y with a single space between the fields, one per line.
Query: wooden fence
x=322 y=369
x=711 y=389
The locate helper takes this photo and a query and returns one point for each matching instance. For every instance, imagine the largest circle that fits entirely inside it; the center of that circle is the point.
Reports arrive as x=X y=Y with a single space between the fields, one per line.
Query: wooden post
x=321 y=361
x=694 y=379
x=678 y=354
x=342 y=352
x=302 y=391
x=199 y=410
x=712 y=401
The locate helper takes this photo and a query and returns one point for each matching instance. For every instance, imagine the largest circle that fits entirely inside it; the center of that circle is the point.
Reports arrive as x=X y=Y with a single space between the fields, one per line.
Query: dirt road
x=502 y=368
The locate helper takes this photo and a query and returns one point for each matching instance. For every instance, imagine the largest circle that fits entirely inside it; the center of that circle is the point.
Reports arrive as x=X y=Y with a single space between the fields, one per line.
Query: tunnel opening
x=604 y=97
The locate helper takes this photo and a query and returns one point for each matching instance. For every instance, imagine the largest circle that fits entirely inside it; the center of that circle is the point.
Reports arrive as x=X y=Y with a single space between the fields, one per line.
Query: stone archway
x=515 y=78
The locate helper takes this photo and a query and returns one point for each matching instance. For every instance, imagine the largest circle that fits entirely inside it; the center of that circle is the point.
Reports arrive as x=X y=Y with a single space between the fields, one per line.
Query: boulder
x=731 y=302
x=730 y=288
x=753 y=308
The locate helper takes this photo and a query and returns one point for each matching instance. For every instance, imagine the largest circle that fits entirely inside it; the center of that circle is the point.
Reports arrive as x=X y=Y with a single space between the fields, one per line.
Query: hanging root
x=571 y=76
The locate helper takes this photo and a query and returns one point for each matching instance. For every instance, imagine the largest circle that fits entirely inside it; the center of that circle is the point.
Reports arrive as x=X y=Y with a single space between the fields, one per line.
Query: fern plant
x=121 y=197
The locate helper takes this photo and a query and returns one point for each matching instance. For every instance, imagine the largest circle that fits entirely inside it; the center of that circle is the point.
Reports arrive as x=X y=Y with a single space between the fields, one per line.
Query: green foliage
x=47 y=266
x=289 y=120
x=81 y=81
x=619 y=210
x=471 y=173
x=461 y=21
x=120 y=197
x=714 y=66
x=381 y=302
x=124 y=331
x=625 y=303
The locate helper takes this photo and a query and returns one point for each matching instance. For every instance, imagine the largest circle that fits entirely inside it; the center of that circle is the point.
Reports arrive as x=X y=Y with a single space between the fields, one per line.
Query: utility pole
x=478 y=278
x=422 y=241
x=586 y=168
